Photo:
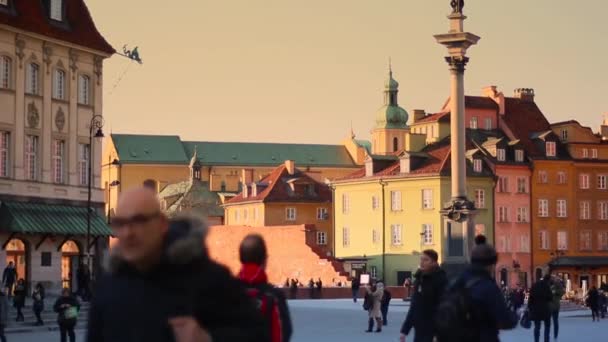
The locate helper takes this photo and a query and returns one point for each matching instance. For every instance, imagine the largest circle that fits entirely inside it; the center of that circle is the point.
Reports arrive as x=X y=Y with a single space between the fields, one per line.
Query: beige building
x=50 y=89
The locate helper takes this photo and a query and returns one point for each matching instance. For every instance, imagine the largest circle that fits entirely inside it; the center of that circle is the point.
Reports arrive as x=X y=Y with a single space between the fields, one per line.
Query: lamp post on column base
x=94 y=132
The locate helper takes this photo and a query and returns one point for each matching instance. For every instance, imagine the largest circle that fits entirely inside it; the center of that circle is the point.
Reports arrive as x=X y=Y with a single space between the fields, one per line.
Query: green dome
x=391 y=117
x=390 y=83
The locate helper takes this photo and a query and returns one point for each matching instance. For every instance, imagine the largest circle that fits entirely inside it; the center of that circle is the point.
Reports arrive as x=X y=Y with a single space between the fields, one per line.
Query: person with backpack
x=372 y=302
x=38 y=306
x=386 y=301
x=67 y=308
x=429 y=283
x=19 y=300
x=354 y=286
x=271 y=301
x=472 y=308
x=539 y=306
x=557 y=291
x=3 y=315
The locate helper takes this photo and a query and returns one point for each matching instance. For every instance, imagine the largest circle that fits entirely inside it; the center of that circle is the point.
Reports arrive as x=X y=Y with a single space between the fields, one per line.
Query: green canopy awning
x=38 y=218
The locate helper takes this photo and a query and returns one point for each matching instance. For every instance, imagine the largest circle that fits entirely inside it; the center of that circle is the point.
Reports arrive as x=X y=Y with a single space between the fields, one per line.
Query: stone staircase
x=49 y=317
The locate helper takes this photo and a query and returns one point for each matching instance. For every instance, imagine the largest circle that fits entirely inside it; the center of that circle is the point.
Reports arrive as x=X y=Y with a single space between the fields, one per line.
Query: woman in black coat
x=38 y=306
x=19 y=299
x=539 y=305
x=593 y=302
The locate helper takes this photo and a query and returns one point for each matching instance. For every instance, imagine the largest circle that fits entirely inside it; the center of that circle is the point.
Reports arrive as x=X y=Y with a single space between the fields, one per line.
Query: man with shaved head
x=160 y=284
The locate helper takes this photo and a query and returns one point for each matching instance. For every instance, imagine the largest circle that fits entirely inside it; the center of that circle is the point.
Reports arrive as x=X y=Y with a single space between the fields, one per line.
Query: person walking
x=9 y=277
x=355 y=284
x=293 y=290
x=603 y=303
x=19 y=300
x=386 y=301
x=539 y=306
x=3 y=315
x=375 y=294
x=557 y=292
x=593 y=302
x=161 y=285
x=83 y=278
x=38 y=297
x=67 y=308
x=319 y=285
x=311 y=288
x=254 y=259
x=430 y=282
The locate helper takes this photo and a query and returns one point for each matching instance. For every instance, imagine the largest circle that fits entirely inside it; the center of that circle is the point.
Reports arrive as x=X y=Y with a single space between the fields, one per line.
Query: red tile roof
x=480 y=102
x=444 y=116
x=31 y=15
x=276 y=189
x=523 y=119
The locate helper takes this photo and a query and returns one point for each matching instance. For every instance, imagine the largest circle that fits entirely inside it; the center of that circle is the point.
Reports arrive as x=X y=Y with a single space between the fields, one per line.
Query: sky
x=304 y=71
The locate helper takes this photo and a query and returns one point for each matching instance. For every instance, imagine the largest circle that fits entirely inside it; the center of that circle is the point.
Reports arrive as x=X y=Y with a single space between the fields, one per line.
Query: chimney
x=414 y=142
x=369 y=167
x=498 y=97
x=418 y=114
x=405 y=163
x=604 y=128
x=246 y=176
x=525 y=94
x=290 y=165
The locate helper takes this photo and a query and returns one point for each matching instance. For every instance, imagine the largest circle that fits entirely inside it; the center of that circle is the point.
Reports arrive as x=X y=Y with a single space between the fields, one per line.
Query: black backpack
x=368 y=302
x=455 y=319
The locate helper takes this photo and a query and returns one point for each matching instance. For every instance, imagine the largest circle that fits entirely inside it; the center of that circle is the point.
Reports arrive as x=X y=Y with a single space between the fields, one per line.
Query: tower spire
x=352 y=132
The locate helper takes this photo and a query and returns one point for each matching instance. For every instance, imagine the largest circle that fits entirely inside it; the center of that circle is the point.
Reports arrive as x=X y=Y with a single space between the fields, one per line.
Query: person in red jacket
x=271 y=301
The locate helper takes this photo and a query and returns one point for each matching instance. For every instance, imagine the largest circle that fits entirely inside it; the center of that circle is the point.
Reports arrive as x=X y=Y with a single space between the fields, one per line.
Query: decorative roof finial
x=457 y=6
x=390 y=67
x=352 y=132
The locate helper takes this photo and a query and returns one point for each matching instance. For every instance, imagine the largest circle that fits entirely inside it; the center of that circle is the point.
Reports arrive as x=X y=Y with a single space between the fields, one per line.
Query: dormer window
x=500 y=154
x=550 y=148
x=488 y=124
x=473 y=123
x=585 y=153
x=245 y=191
x=56 y=10
x=564 y=135
x=369 y=168
x=477 y=165
x=519 y=156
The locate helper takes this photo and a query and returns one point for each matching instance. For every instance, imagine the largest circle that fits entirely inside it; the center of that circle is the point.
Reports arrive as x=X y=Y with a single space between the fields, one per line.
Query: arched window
x=33 y=80
x=6 y=67
x=59 y=84
x=395 y=144
x=84 y=90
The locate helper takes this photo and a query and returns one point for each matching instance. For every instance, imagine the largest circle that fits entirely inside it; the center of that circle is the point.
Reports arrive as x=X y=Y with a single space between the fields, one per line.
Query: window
x=564 y=135
x=321 y=238
x=31 y=157
x=594 y=153
x=524 y=244
x=561 y=177
x=584 y=181
x=396 y=231
x=562 y=240
x=508 y=242
x=245 y=215
x=6 y=67
x=601 y=182
x=427 y=234
x=502 y=244
x=255 y=214
x=290 y=214
x=395 y=144
x=522 y=214
x=395 y=200
x=84 y=89
x=427 y=198
x=480 y=198
x=5 y=138
x=345 y=204
x=488 y=123
x=375 y=202
x=522 y=185
x=542 y=177
x=584 y=153
x=322 y=214
x=57 y=160
x=562 y=208
x=373 y=272
x=477 y=165
x=500 y=154
x=503 y=184
x=59 y=84
x=602 y=243
x=550 y=147
x=375 y=236
x=45 y=259
x=32 y=80
x=56 y=10
x=543 y=208
x=236 y=215
x=345 y=237
x=585 y=210
x=473 y=123
x=84 y=155
x=503 y=214
x=602 y=210
x=585 y=240
x=544 y=239
x=519 y=156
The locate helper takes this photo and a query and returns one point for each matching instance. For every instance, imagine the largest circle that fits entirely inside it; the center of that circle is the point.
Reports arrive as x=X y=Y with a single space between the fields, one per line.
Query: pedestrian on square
x=557 y=291
x=354 y=286
x=319 y=285
x=161 y=285
x=603 y=303
x=254 y=259
x=67 y=308
x=311 y=288
x=386 y=300
x=3 y=315
x=430 y=282
x=539 y=306
x=19 y=300
x=9 y=277
x=375 y=294
x=38 y=297
x=293 y=290
x=593 y=302
x=83 y=277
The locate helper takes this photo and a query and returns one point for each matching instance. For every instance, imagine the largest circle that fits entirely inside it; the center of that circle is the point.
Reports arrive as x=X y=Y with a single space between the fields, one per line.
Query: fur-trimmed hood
x=184 y=244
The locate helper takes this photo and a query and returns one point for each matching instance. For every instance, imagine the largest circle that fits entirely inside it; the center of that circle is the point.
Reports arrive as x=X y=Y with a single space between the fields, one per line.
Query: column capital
x=457 y=63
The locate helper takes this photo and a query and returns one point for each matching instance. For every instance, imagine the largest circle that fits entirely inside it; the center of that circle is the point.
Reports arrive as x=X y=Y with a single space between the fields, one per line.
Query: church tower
x=195 y=166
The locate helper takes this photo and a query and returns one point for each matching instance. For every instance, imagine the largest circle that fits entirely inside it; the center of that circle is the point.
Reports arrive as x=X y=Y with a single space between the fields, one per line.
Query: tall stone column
x=457 y=129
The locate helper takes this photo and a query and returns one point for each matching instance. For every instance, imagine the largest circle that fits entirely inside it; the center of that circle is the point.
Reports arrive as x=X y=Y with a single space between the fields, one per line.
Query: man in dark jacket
x=429 y=284
x=254 y=257
x=161 y=285
x=539 y=305
x=355 y=285
x=9 y=277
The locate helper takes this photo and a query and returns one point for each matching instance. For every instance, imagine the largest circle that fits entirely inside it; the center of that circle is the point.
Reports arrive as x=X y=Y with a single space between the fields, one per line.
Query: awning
x=579 y=261
x=38 y=218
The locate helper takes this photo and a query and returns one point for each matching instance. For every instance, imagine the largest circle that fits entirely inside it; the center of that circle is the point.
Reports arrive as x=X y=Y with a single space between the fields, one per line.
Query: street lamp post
x=111 y=184
x=95 y=125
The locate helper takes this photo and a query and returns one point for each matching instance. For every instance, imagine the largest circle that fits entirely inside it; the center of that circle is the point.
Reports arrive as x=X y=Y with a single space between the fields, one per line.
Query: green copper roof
x=38 y=218
x=391 y=117
x=365 y=144
x=269 y=154
x=153 y=149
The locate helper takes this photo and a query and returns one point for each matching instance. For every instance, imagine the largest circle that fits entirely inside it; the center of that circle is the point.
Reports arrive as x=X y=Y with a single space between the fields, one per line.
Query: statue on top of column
x=457 y=6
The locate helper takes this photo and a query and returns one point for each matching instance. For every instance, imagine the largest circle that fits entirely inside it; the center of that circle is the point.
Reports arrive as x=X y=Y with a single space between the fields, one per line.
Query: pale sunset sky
x=301 y=71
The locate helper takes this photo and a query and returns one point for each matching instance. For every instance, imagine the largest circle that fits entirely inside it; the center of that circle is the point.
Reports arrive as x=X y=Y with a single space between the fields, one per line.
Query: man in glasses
x=161 y=286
